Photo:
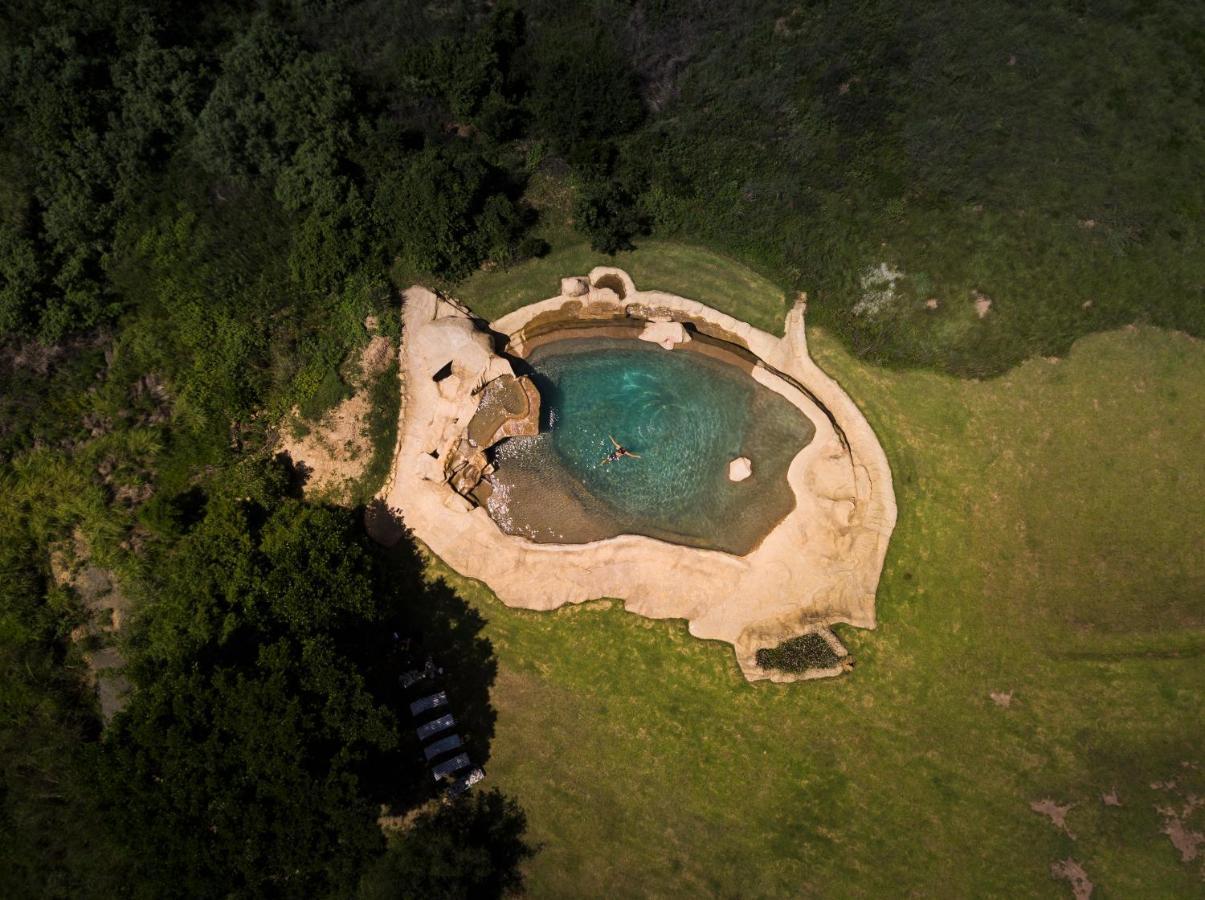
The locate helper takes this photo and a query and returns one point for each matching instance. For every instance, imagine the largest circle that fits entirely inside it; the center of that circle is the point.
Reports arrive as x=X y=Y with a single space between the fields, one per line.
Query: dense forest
x=201 y=204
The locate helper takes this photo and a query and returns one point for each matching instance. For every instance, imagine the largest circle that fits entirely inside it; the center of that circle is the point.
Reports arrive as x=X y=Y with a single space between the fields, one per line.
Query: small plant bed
x=808 y=651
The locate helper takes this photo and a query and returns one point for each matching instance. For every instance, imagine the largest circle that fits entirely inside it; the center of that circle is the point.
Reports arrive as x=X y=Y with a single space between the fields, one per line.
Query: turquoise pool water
x=687 y=416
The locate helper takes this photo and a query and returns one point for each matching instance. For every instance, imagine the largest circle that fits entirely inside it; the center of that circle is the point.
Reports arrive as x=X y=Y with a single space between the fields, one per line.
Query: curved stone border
x=817 y=567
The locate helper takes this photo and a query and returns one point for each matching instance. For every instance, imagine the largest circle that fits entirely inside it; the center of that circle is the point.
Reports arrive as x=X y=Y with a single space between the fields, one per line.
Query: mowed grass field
x=1049 y=546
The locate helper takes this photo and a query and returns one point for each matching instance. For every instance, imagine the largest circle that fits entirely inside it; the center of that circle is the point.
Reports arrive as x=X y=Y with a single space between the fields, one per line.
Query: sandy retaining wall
x=819 y=566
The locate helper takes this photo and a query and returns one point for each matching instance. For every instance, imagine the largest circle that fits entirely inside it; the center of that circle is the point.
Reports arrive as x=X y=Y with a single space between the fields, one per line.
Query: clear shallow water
x=686 y=414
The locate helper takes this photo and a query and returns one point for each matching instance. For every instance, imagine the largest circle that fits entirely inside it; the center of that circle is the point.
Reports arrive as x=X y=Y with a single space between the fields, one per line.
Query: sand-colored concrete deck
x=819 y=566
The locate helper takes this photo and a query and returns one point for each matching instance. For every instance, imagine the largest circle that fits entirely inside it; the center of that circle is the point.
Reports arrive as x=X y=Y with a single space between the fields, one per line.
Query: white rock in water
x=667 y=334
x=740 y=469
x=574 y=287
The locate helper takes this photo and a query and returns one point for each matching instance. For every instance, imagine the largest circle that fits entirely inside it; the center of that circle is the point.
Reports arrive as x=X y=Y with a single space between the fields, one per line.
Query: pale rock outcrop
x=574 y=287
x=106 y=607
x=456 y=341
x=740 y=469
x=450 y=387
x=668 y=334
x=461 y=392
x=603 y=296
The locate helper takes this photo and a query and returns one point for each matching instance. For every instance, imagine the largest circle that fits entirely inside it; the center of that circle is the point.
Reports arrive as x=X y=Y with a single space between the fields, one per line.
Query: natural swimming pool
x=687 y=414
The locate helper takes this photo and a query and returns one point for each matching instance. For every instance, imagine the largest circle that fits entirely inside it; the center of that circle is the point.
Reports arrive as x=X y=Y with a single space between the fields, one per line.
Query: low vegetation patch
x=808 y=651
x=385 y=400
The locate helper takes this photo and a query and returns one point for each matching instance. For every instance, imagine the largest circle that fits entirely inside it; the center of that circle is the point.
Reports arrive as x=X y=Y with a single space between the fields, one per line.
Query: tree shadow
x=428 y=629
x=296 y=472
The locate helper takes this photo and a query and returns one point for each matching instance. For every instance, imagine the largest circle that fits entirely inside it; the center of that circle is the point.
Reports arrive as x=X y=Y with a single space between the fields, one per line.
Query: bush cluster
x=808 y=651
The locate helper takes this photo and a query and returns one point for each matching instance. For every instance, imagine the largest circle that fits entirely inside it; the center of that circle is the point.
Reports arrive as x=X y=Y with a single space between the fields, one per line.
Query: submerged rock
x=740 y=469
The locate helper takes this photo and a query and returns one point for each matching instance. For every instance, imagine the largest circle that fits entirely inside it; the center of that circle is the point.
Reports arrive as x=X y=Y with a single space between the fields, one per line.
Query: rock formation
x=508 y=407
x=667 y=333
x=574 y=287
x=470 y=395
x=740 y=469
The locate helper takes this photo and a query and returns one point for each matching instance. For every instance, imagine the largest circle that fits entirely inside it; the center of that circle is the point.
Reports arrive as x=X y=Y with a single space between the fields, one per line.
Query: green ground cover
x=654 y=265
x=1048 y=546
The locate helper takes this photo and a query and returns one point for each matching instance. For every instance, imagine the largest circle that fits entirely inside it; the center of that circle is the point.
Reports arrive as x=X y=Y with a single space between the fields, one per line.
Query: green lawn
x=656 y=265
x=1048 y=544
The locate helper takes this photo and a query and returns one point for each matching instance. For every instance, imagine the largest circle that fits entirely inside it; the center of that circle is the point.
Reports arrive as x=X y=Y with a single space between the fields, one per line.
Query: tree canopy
x=239 y=763
x=266 y=731
x=470 y=848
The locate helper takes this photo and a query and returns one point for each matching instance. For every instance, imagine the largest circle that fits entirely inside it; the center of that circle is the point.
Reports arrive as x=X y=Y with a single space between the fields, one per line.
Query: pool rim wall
x=816 y=573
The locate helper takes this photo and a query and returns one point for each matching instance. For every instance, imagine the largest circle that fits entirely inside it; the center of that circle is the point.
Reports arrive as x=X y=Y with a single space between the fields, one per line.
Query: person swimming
x=619 y=452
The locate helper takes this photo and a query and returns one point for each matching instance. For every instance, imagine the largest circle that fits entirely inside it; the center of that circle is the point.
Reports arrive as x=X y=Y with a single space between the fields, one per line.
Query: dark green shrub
x=447 y=211
x=609 y=215
x=583 y=88
x=808 y=651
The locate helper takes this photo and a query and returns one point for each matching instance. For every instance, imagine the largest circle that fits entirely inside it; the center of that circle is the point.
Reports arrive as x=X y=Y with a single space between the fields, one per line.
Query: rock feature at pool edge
x=475 y=396
x=820 y=565
x=508 y=407
x=665 y=332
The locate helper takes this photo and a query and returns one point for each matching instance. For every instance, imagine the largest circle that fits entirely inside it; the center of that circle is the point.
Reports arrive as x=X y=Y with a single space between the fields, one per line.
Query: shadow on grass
x=426 y=621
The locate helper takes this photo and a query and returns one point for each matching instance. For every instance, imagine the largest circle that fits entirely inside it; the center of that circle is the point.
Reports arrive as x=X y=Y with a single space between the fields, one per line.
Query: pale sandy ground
x=336 y=450
x=819 y=566
x=106 y=607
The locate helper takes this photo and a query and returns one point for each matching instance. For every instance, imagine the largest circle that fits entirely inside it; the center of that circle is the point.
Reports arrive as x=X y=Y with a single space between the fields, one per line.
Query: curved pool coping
x=819 y=566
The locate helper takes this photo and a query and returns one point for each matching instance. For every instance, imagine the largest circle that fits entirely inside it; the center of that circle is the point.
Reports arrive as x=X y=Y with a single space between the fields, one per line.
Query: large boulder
x=453 y=342
x=667 y=334
x=574 y=287
x=740 y=469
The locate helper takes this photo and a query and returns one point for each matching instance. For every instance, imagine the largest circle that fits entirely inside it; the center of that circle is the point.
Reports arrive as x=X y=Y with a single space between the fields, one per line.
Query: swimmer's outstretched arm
x=613 y=441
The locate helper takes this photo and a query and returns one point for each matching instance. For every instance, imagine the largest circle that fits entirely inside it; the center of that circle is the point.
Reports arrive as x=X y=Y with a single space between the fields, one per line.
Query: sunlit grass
x=690 y=271
x=1048 y=545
